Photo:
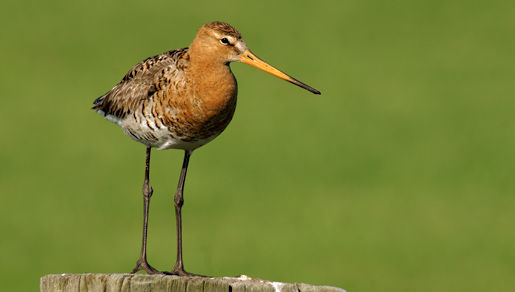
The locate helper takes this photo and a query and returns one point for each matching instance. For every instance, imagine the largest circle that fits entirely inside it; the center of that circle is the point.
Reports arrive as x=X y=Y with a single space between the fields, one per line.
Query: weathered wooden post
x=142 y=282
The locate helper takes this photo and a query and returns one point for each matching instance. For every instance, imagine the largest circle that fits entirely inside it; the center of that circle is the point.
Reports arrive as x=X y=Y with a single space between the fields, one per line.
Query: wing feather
x=139 y=84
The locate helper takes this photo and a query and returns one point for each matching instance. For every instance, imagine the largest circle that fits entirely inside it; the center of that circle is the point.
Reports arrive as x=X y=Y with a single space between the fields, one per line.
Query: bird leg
x=178 y=269
x=142 y=263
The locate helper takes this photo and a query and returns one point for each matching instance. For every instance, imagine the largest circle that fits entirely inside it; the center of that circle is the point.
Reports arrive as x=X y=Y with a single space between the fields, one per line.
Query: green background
x=399 y=177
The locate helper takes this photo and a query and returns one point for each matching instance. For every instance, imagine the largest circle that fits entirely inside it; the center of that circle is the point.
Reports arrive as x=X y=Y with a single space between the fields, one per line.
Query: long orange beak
x=249 y=58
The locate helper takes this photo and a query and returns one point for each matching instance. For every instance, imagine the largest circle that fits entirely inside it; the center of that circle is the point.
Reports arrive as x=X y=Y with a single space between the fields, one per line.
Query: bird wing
x=139 y=84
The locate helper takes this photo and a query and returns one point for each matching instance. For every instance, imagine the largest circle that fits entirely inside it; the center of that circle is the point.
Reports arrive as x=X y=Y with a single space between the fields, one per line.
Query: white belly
x=153 y=135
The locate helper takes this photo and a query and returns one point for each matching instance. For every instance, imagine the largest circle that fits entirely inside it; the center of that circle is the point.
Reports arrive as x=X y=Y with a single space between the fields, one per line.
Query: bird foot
x=142 y=265
x=182 y=273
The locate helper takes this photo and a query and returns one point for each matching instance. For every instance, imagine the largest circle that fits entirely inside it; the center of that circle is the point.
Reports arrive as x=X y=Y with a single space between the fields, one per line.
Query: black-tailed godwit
x=181 y=99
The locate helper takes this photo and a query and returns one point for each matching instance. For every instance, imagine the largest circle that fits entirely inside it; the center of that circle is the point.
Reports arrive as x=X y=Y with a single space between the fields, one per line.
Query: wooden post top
x=143 y=282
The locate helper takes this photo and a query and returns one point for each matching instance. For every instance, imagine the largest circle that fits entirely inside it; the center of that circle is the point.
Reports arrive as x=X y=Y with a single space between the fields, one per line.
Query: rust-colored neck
x=214 y=83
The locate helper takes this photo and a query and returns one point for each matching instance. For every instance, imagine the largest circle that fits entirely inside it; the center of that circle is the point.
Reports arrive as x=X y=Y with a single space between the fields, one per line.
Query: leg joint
x=178 y=200
x=147 y=190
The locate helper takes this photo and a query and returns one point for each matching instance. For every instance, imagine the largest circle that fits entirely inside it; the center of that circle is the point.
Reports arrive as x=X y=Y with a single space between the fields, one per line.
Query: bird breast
x=197 y=106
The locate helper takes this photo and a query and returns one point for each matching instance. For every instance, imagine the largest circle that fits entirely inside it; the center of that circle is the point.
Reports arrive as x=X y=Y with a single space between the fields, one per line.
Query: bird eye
x=224 y=41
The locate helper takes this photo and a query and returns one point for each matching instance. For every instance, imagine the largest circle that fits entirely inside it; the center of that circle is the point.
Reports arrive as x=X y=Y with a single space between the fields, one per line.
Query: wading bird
x=181 y=99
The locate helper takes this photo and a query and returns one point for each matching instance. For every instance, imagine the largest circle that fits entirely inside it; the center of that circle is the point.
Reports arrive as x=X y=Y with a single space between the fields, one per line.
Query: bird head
x=221 y=42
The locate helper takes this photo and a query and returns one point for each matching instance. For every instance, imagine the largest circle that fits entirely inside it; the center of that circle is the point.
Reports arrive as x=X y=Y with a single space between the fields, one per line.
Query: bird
x=181 y=99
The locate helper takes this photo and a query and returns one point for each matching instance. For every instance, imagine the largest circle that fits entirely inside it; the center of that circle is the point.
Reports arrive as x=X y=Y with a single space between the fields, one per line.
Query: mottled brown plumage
x=181 y=99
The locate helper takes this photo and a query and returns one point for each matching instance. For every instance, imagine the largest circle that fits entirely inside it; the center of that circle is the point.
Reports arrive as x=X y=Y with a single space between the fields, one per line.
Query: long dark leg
x=178 y=269
x=142 y=263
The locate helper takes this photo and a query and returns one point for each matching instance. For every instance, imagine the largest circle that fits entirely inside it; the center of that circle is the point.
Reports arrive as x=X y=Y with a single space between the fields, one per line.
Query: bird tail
x=97 y=104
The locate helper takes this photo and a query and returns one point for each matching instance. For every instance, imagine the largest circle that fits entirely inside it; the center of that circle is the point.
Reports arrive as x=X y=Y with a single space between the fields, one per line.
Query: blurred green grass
x=398 y=178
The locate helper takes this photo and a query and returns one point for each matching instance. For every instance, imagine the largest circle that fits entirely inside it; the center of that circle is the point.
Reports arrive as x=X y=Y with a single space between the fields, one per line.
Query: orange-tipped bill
x=249 y=58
